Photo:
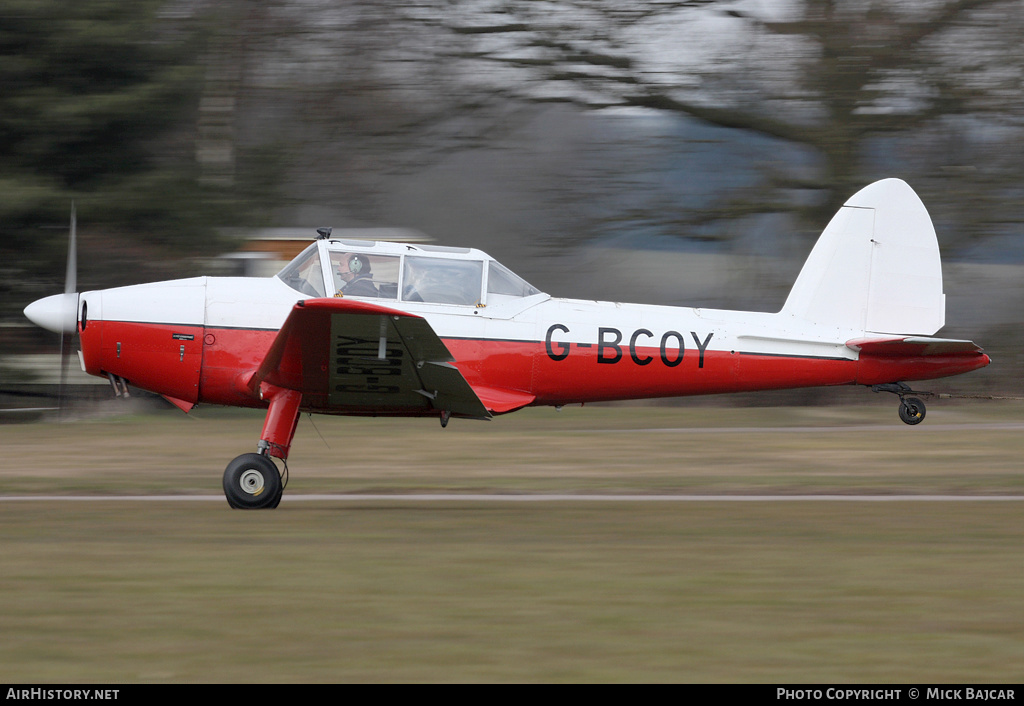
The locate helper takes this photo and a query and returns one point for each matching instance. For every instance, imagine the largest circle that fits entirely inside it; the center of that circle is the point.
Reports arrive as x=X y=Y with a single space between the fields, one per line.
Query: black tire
x=277 y=499
x=912 y=410
x=252 y=482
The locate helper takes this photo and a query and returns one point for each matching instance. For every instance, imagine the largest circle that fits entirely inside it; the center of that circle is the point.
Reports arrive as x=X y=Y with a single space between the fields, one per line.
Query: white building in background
x=265 y=251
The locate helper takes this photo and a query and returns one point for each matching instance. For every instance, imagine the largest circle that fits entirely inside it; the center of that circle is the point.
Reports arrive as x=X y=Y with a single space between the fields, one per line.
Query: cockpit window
x=442 y=281
x=358 y=274
x=504 y=282
x=305 y=274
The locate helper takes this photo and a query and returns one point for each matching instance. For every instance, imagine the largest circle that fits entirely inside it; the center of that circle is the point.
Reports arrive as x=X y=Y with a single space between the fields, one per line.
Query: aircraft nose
x=57 y=313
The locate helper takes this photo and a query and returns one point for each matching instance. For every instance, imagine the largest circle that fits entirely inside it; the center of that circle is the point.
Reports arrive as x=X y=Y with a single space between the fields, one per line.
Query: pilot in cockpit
x=354 y=271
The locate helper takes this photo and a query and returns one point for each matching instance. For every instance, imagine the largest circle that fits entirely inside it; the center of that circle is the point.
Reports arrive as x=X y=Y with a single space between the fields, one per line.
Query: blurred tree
x=99 y=103
x=879 y=71
x=929 y=90
x=158 y=131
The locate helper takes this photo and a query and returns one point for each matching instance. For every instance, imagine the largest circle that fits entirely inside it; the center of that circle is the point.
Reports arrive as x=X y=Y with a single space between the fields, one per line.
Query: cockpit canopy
x=399 y=272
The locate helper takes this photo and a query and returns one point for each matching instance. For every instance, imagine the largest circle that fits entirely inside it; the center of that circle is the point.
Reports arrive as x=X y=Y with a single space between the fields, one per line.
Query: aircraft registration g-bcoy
x=375 y=328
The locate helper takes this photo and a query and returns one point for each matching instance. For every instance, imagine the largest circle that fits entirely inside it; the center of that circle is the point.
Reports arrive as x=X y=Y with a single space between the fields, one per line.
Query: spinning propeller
x=59 y=313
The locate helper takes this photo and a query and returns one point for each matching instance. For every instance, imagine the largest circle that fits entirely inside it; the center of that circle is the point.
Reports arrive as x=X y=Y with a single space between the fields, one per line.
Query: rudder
x=875 y=268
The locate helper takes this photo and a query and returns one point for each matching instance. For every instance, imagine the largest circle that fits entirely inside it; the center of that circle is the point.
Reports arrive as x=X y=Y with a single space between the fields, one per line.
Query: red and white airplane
x=377 y=328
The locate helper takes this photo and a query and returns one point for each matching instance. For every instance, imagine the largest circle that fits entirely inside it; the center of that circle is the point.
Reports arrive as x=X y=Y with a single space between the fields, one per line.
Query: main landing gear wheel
x=912 y=410
x=252 y=482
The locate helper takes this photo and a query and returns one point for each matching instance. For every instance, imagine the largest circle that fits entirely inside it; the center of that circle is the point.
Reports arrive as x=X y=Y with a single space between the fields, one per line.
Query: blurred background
x=683 y=153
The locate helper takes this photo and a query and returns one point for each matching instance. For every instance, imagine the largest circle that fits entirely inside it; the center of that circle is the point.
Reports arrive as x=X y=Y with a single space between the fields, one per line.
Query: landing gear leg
x=252 y=481
x=911 y=409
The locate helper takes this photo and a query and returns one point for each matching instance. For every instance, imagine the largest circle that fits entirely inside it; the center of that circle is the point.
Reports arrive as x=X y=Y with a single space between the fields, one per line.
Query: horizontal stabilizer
x=921 y=346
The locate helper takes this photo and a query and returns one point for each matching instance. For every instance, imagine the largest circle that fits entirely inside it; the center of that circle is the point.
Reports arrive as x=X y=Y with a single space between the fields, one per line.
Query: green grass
x=594 y=449
x=560 y=591
x=512 y=592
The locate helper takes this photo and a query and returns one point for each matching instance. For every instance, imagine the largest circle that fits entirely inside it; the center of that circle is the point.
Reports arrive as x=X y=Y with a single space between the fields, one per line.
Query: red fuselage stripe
x=198 y=364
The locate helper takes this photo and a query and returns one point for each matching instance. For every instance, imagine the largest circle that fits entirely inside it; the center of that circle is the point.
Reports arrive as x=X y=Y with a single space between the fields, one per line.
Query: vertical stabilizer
x=875 y=268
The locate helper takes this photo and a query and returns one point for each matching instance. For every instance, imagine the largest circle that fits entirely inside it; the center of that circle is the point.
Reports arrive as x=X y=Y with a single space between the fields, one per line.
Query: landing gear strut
x=911 y=409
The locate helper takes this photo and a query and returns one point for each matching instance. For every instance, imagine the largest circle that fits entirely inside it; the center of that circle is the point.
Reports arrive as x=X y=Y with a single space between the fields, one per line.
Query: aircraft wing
x=359 y=357
x=922 y=346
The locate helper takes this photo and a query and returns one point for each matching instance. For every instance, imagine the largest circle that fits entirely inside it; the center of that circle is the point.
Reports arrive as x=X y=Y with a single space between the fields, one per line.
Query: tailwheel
x=911 y=410
x=252 y=482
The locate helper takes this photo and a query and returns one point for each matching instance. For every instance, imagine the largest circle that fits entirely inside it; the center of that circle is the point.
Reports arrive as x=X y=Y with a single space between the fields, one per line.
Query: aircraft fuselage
x=198 y=340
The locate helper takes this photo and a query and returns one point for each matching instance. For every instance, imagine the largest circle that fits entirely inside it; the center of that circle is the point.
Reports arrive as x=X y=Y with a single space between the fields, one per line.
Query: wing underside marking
x=346 y=356
x=382 y=361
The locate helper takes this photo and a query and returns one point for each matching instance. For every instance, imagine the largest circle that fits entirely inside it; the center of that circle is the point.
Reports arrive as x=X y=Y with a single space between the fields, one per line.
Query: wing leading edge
x=348 y=356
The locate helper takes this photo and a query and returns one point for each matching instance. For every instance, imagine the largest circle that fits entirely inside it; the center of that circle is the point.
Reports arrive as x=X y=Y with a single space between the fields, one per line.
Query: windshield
x=305 y=274
x=506 y=283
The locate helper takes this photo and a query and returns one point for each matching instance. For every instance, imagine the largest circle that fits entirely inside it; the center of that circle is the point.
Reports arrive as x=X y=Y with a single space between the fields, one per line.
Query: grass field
x=557 y=591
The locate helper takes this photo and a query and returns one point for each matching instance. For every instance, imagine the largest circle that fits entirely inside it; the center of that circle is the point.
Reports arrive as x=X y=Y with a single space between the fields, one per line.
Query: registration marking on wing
x=368 y=363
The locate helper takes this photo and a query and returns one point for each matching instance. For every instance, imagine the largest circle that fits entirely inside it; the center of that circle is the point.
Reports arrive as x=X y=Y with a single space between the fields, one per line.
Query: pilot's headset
x=358 y=265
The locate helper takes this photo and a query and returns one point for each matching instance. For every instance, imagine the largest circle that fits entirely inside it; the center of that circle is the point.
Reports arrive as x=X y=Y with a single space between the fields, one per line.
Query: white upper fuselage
x=264 y=303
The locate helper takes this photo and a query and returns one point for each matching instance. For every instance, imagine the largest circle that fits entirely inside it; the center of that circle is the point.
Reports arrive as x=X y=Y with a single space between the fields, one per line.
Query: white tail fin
x=875 y=268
